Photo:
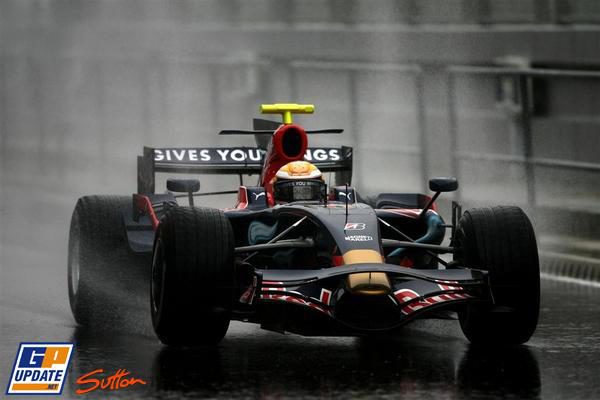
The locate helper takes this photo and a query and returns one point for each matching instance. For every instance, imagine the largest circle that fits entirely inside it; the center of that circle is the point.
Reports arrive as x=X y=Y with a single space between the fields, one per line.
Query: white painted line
x=570 y=280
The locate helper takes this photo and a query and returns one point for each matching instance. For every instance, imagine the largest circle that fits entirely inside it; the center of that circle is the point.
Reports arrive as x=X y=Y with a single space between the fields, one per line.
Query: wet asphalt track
x=562 y=361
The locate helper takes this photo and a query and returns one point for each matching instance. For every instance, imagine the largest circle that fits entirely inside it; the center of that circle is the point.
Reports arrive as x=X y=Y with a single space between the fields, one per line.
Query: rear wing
x=231 y=161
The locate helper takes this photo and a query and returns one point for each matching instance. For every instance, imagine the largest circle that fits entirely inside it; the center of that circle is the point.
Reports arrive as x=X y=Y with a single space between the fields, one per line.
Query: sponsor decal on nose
x=359 y=238
x=355 y=226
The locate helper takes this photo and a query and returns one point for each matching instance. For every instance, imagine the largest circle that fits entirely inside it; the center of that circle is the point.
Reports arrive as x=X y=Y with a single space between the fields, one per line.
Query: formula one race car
x=294 y=255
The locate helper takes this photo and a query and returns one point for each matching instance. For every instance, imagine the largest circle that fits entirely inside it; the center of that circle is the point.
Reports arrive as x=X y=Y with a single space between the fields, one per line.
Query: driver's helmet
x=298 y=181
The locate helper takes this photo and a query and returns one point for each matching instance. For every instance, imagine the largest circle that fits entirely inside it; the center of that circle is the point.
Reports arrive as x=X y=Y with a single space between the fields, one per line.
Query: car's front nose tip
x=369 y=283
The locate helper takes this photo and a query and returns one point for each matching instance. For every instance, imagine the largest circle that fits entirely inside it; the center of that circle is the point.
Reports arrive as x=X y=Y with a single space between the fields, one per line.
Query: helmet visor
x=299 y=190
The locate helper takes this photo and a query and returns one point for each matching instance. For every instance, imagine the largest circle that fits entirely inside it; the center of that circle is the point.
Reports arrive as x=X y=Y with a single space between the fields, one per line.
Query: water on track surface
x=433 y=360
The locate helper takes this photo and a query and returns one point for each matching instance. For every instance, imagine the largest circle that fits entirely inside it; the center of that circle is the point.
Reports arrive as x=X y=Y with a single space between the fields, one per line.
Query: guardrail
x=523 y=78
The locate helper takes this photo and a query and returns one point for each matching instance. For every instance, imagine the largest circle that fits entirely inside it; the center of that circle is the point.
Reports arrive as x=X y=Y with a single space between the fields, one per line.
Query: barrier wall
x=85 y=84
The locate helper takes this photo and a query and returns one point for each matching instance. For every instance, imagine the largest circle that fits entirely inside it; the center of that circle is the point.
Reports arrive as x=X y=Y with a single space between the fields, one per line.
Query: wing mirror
x=188 y=186
x=440 y=184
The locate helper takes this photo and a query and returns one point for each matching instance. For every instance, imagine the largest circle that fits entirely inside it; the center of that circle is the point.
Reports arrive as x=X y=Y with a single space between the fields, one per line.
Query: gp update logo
x=40 y=368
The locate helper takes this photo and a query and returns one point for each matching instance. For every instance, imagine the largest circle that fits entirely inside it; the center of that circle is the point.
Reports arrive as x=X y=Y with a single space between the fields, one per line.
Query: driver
x=298 y=181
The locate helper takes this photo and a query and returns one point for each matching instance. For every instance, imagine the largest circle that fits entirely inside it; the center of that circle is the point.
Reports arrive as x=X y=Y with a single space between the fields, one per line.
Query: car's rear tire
x=192 y=277
x=500 y=240
x=100 y=262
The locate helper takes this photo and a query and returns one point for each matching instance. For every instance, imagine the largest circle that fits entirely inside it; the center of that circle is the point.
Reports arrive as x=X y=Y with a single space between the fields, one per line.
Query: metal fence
x=524 y=101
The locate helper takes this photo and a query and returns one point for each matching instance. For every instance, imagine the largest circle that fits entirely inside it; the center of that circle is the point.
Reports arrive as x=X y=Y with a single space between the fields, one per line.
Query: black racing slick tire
x=100 y=263
x=501 y=241
x=192 y=277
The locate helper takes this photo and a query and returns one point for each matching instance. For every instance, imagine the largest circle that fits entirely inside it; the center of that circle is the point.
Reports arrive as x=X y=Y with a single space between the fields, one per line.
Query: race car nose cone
x=369 y=283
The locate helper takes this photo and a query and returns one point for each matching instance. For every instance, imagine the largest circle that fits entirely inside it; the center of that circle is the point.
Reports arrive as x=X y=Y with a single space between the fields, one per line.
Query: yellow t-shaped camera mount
x=286 y=110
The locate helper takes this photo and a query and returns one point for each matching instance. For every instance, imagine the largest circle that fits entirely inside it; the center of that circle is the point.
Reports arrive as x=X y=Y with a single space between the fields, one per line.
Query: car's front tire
x=192 y=277
x=501 y=241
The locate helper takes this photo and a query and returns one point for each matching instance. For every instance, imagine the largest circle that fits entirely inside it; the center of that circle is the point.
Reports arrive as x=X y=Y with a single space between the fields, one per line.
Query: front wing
x=303 y=300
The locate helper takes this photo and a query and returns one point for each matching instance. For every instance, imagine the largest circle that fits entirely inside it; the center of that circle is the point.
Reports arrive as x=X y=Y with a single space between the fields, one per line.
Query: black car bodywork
x=297 y=284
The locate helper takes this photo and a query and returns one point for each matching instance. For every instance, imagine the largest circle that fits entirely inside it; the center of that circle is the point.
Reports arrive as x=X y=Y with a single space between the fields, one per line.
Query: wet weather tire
x=192 y=277
x=500 y=240
x=100 y=263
